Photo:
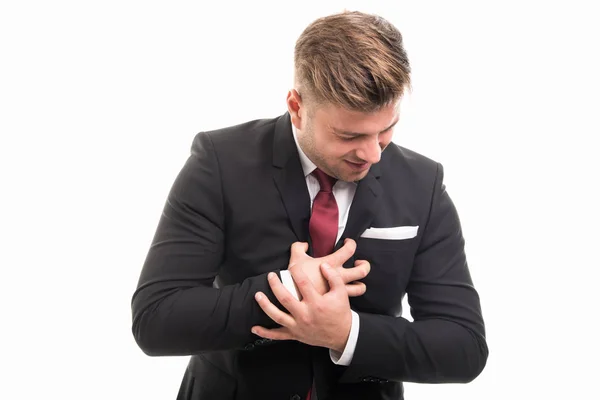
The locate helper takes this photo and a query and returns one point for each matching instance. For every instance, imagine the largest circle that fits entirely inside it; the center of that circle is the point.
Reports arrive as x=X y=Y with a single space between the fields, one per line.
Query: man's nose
x=370 y=151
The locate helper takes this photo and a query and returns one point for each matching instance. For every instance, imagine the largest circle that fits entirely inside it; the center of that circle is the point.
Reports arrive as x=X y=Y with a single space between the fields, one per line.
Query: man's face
x=345 y=144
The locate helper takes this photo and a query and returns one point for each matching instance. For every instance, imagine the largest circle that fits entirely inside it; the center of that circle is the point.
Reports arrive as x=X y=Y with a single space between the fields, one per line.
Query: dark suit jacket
x=233 y=212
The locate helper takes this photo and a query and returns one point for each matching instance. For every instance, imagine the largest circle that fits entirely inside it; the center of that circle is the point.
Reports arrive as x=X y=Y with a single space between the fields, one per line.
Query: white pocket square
x=393 y=233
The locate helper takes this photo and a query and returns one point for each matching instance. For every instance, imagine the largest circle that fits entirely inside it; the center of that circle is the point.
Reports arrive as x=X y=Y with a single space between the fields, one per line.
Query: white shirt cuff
x=346 y=357
x=288 y=283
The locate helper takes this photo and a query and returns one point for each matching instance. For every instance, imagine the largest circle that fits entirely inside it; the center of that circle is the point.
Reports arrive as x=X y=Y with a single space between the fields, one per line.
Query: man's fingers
x=305 y=287
x=359 y=263
x=272 y=311
x=359 y=271
x=356 y=289
x=273 y=334
x=333 y=277
x=342 y=254
x=282 y=294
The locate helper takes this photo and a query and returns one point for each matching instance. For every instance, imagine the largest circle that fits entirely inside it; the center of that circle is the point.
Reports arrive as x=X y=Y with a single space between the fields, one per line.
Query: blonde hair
x=351 y=59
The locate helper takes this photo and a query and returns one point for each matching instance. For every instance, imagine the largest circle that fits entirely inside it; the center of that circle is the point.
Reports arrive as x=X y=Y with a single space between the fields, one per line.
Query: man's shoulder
x=238 y=144
x=399 y=157
x=242 y=131
x=406 y=171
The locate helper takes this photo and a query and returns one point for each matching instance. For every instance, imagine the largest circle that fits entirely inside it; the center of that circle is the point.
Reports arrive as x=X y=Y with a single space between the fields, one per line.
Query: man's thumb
x=299 y=248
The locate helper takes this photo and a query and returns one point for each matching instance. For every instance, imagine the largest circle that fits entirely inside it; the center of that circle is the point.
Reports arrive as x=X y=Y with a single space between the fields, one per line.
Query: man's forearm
x=174 y=321
x=430 y=351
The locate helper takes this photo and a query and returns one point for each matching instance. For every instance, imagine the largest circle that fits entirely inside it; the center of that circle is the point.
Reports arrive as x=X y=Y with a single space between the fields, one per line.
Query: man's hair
x=351 y=59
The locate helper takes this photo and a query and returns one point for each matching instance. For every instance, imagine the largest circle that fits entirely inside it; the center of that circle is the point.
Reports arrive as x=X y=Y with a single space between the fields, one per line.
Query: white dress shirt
x=343 y=193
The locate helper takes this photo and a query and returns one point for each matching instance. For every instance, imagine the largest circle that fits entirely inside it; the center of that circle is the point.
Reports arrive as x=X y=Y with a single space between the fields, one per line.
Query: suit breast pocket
x=385 y=245
x=391 y=264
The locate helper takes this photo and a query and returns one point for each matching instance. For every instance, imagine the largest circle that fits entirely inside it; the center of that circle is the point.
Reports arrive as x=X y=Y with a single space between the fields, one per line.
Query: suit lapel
x=289 y=178
x=365 y=203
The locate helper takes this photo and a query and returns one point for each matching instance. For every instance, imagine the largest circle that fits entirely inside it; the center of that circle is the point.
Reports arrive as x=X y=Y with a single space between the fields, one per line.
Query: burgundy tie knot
x=326 y=182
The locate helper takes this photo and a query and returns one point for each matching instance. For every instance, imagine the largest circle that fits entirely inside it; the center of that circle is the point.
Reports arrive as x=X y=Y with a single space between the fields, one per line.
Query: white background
x=99 y=102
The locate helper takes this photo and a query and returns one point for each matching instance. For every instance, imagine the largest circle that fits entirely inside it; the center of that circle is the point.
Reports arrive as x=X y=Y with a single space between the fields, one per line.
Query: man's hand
x=310 y=266
x=318 y=320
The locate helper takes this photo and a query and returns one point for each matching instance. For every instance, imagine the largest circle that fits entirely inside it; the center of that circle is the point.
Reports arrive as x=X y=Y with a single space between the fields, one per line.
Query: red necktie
x=323 y=225
x=324 y=220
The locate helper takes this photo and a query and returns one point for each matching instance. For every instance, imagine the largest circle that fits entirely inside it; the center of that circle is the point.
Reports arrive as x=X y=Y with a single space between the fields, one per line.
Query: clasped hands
x=322 y=317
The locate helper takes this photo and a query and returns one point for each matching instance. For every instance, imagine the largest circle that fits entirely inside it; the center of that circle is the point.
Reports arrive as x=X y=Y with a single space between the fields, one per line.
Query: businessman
x=286 y=245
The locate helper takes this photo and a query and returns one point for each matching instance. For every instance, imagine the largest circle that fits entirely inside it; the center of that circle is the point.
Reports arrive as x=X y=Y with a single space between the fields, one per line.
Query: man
x=286 y=245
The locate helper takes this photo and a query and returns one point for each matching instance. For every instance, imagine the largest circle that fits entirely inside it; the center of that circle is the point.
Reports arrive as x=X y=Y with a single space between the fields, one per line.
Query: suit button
x=249 y=346
x=295 y=397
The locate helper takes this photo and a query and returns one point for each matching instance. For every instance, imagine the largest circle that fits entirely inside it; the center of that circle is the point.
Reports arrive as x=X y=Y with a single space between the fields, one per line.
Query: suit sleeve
x=175 y=308
x=445 y=343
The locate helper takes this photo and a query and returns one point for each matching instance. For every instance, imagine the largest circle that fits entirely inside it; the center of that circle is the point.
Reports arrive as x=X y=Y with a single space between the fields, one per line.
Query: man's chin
x=353 y=176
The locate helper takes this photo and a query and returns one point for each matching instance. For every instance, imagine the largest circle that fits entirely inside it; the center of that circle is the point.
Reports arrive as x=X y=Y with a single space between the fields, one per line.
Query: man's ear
x=294 y=104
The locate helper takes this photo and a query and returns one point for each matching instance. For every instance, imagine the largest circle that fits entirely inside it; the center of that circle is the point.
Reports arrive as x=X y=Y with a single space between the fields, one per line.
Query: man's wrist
x=343 y=340
x=345 y=357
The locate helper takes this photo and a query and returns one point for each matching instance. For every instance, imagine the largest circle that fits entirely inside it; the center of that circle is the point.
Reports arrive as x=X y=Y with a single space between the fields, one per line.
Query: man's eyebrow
x=360 y=134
